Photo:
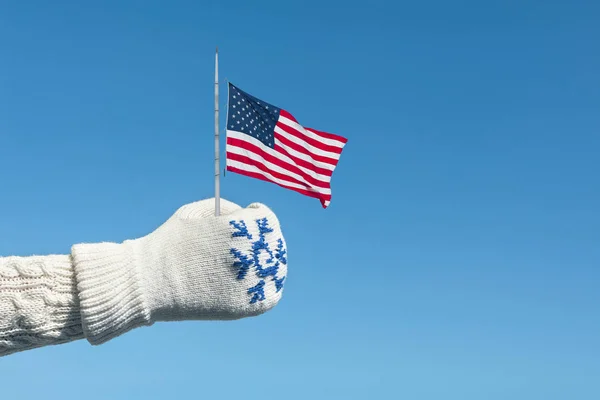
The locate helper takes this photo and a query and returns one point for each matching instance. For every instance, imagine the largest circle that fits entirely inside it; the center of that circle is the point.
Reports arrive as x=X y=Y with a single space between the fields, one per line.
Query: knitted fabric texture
x=187 y=269
x=195 y=266
x=38 y=303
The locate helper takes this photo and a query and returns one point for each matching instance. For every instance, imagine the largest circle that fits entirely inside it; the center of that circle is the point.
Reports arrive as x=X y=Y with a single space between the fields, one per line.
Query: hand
x=194 y=266
x=198 y=266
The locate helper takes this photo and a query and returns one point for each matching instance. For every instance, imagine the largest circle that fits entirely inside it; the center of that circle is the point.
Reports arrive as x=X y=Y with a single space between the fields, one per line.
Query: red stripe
x=280 y=163
x=326 y=135
x=303 y=150
x=287 y=115
x=298 y=161
x=320 y=196
x=303 y=163
x=264 y=168
x=309 y=140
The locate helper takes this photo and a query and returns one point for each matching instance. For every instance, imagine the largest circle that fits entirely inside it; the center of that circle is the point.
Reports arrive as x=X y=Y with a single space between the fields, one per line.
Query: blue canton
x=251 y=116
x=250 y=261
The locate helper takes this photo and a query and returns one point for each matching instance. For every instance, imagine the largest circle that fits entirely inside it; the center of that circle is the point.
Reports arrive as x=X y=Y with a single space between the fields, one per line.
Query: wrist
x=111 y=298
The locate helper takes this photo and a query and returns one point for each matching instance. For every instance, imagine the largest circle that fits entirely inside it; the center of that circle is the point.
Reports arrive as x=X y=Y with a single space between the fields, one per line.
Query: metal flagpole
x=217 y=169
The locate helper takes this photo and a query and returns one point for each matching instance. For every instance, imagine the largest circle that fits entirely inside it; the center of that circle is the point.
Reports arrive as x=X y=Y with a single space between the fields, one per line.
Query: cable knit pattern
x=38 y=302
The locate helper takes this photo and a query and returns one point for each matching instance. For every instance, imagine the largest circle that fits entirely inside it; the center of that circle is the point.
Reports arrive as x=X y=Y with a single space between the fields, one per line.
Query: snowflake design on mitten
x=260 y=259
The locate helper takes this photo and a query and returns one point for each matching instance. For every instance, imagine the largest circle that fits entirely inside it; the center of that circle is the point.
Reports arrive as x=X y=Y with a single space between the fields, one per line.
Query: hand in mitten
x=194 y=266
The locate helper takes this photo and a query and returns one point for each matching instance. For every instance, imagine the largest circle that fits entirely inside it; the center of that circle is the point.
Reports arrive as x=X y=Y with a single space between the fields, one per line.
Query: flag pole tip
x=217 y=49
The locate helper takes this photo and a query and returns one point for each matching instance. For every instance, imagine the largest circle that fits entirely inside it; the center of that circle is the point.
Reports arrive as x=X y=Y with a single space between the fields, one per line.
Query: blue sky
x=459 y=258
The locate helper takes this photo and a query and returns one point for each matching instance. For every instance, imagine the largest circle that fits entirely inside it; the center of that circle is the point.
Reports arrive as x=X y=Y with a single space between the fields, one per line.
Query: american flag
x=266 y=142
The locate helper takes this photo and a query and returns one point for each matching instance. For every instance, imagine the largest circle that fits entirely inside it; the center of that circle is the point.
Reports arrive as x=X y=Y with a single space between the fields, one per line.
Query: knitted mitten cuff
x=111 y=299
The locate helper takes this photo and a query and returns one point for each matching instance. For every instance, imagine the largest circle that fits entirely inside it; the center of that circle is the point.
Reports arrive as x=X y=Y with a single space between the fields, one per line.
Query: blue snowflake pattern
x=245 y=262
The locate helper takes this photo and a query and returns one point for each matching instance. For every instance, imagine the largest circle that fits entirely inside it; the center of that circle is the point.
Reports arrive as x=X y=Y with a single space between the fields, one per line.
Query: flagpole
x=217 y=169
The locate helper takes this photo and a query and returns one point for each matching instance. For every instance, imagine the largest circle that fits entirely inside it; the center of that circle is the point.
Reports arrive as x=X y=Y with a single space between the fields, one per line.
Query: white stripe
x=276 y=168
x=298 y=127
x=312 y=149
x=252 y=168
x=283 y=157
x=304 y=156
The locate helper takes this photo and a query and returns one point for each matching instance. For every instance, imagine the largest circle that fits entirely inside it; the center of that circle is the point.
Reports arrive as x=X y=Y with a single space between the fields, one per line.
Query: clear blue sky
x=459 y=258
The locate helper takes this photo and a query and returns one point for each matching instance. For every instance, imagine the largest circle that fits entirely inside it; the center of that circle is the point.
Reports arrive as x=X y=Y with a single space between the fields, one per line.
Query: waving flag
x=266 y=142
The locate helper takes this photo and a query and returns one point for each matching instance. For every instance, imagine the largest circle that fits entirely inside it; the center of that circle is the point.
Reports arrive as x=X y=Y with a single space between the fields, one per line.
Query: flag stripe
x=311 y=143
x=234 y=166
x=239 y=139
x=301 y=162
x=326 y=135
x=296 y=155
x=325 y=162
x=236 y=151
x=324 y=199
x=306 y=147
x=247 y=162
x=310 y=134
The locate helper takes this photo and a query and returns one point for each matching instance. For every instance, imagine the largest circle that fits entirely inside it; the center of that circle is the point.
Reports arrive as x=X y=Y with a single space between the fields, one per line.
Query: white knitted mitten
x=194 y=266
